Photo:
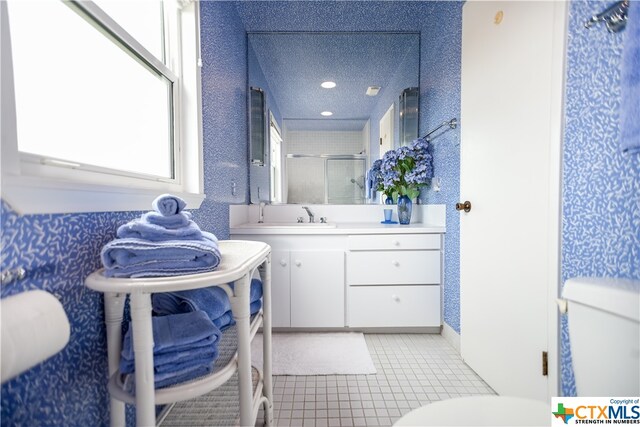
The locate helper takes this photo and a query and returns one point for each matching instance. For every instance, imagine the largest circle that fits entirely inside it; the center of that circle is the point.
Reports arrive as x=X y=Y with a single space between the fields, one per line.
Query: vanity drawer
x=389 y=306
x=393 y=268
x=393 y=241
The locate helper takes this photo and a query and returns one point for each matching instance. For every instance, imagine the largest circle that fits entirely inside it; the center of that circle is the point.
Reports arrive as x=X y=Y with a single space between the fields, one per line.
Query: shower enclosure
x=326 y=178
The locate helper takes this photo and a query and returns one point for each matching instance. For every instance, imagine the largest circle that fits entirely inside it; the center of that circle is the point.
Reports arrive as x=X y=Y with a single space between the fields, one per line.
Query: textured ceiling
x=294 y=65
x=325 y=124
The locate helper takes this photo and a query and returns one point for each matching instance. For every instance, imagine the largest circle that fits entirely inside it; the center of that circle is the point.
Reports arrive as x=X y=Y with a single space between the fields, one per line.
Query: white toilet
x=604 y=331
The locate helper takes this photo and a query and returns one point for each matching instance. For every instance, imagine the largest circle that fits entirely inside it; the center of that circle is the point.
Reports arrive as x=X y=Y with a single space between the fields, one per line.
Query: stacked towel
x=142 y=229
x=185 y=347
x=630 y=81
x=161 y=243
x=214 y=301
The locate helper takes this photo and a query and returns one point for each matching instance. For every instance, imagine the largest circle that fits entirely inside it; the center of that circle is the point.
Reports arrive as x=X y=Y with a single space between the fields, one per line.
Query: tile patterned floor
x=412 y=370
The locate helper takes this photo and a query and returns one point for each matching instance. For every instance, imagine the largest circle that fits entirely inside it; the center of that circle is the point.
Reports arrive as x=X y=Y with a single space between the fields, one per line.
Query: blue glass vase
x=388 y=200
x=404 y=210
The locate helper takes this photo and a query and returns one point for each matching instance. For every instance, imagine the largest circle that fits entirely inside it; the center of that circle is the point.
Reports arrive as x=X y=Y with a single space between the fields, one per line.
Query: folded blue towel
x=203 y=360
x=176 y=338
x=141 y=229
x=171 y=222
x=213 y=300
x=167 y=379
x=167 y=204
x=141 y=258
x=255 y=291
x=630 y=82
x=227 y=320
x=177 y=332
x=166 y=362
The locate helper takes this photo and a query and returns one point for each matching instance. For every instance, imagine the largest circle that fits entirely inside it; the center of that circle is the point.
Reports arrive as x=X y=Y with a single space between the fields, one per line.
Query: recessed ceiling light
x=327 y=113
x=328 y=85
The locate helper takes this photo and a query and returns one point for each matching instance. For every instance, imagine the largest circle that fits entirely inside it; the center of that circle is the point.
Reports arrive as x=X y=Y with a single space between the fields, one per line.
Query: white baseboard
x=451 y=336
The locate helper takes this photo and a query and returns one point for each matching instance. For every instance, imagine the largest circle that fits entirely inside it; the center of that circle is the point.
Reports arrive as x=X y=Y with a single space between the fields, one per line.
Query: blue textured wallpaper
x=440 y=27
x=601 y=210
x=58 y=252
x=224 y=114
x=439 y=101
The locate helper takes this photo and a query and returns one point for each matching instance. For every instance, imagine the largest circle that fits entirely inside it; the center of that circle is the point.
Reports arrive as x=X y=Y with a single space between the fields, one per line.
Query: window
x=275 y=159
x=105 y=100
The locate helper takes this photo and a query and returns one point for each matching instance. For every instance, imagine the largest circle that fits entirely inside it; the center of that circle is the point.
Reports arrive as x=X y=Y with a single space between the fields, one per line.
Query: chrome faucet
x=311 y=217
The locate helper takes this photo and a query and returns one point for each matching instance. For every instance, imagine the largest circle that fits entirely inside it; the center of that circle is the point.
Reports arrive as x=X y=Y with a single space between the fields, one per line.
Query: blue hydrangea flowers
x=404 y=170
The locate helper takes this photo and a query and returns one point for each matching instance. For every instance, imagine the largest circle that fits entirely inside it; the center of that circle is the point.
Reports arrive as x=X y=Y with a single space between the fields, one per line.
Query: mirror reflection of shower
x=360 y=186
x=325 y=165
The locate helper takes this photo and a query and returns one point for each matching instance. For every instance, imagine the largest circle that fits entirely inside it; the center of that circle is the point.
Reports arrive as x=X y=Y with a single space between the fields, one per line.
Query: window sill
x=30 y=195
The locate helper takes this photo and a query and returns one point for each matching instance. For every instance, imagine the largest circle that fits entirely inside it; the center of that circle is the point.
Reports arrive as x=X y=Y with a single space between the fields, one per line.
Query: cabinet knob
x=283 y=263
x=395 y=297
x=298 y=263
x=396 y=263
x=396 y=243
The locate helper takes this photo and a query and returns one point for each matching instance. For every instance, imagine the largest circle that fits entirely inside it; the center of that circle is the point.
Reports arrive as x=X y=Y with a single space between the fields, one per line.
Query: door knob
x=298 y=263
x=466 y=206
x=283 y=263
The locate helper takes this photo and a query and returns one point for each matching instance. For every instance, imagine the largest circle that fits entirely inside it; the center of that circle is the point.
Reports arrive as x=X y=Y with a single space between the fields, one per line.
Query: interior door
x=507 y=138
x=386 y=131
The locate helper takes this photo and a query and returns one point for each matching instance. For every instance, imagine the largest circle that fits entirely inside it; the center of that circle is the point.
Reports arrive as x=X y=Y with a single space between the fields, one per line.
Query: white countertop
x=336 y=228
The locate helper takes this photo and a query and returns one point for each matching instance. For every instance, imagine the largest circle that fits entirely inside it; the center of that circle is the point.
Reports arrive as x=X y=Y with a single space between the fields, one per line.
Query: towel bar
x=9 y=276
x=614 y=17
x=453 y=123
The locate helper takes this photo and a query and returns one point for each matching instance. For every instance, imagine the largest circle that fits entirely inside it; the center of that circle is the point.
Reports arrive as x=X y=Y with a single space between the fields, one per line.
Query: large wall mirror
x=334 y=103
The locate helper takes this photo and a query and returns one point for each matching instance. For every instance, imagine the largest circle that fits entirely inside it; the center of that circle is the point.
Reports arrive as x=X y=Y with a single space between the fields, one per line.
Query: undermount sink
x=290 y=225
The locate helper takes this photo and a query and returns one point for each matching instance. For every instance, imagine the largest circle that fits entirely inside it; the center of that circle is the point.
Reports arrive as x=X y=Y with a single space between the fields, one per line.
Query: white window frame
x=34 y=184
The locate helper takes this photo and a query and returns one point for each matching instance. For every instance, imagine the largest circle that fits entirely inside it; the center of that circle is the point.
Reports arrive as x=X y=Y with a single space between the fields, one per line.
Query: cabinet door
x=317 y=289
x=280 y=289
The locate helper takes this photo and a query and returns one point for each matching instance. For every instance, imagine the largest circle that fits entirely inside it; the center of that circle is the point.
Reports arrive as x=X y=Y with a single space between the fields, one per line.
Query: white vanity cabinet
x=393 y=280
x=354 y=275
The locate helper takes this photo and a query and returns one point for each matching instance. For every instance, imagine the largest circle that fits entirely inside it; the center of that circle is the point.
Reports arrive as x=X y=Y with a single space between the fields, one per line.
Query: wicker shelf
x=233 y=366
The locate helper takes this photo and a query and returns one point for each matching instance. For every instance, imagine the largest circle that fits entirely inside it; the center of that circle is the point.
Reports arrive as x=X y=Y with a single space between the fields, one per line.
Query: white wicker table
x=239 y=261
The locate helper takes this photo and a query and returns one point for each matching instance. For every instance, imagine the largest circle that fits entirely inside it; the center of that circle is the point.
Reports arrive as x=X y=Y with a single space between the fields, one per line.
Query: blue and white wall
x=224 y=114
x=601 y=186
x=59 y=251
